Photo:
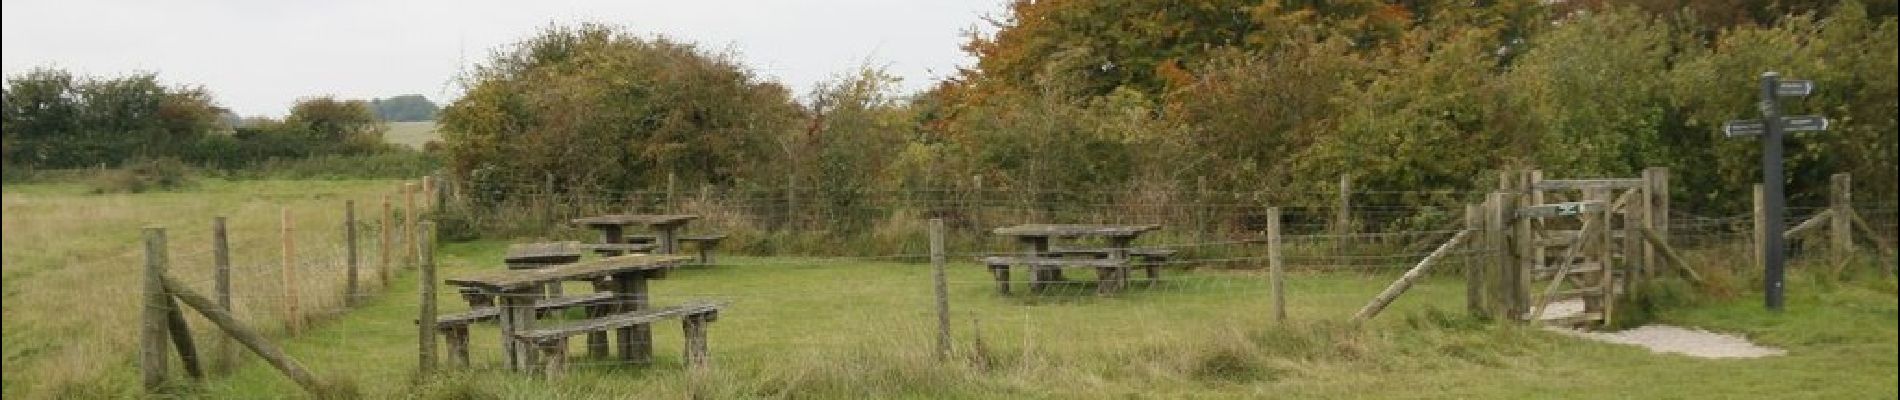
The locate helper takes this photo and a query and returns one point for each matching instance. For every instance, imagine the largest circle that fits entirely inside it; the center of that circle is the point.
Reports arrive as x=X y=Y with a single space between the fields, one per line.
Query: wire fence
x=861 y=286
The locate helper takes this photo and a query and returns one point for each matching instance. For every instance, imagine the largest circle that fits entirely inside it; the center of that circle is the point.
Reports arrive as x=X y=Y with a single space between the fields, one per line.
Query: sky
x=258 y=57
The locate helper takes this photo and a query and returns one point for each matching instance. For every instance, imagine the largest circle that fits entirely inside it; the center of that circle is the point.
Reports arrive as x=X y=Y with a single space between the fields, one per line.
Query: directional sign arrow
x=1743 y=127
x=1804 y=123
x=1794 y=88
x=1753 y=127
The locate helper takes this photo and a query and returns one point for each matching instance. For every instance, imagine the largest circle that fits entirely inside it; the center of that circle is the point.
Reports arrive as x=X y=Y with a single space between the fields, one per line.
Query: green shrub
x=143 y=175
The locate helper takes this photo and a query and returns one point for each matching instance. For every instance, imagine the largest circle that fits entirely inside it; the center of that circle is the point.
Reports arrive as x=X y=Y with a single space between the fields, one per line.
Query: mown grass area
x=843 y=328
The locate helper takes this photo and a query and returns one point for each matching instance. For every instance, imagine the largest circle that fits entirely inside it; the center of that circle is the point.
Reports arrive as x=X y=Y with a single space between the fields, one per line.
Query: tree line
x=56 y=120
x=1080 y=96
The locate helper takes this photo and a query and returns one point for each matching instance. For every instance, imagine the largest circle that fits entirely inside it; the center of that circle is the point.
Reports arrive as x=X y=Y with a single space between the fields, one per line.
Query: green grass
x=862 y=328
x=837 y=328
x=411 y=134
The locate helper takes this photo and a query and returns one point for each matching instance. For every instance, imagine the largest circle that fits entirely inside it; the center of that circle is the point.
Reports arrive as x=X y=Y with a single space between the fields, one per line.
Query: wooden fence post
x=1499 y=278
x=221 y=286
x=153 y=332
x=942 y=288
x=1840 y=231
x=428 y=192
x=1474 y=271
x=409 y=217
x=293 y=314
x=349 y=244
x=1276 y=269
x=426 y=322
x=1761 y=231
x=383 y=246
x=1342 y=213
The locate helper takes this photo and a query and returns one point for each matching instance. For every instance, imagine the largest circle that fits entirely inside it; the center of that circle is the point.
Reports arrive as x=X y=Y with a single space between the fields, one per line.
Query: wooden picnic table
x=612 y=227
x=1036 y=239
x=518 y=290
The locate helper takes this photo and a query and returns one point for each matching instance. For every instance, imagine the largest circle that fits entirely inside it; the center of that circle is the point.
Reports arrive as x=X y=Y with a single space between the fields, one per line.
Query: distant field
x=412 y=134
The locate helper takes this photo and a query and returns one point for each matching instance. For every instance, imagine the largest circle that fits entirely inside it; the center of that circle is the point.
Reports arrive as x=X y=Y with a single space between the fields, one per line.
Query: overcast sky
x=257 y=57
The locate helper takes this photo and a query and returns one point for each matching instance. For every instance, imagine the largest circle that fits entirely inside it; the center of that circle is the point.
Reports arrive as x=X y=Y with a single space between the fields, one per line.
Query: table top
x=545 y=252
x=602 y=267
x=1074 y=230
x=634 y=219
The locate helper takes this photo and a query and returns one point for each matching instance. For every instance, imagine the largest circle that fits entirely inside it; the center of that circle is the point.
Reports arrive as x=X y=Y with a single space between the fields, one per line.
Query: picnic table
x=1045 y=263
x=518 y=292
x=612 y=228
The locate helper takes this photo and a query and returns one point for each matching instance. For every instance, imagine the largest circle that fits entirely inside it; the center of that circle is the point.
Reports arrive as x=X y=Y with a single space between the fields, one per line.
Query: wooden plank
x=544 y=253
x=181 y=339
x=1560 y=209
x=1669 y=254
x=544 y=305
x=1074 y=230
x=1582 y=184
x=633 y=219
x=264 y=349
x=619 y=320
x=1589 y=226
x=597 y=268
x=1814 y=221
x=1405 y=282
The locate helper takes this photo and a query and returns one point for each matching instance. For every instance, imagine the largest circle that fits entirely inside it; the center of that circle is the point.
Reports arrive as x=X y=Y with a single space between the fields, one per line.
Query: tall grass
x=72 y=261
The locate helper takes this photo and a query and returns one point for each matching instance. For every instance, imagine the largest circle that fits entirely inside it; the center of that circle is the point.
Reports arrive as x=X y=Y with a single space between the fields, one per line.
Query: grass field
x=862 y=328
x=412 y=134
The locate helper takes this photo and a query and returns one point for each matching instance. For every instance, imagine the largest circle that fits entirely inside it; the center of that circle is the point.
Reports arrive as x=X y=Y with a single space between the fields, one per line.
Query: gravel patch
x=1679 y=340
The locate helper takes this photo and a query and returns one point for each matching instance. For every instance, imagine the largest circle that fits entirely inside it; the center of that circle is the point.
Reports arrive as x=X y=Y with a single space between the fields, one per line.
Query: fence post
x=409 y=223
x=672 y=198
x=1276 y=269
x=428 y=192
x=1841 y=227
x=425 y=324
x=349 y=245
x=153 y=332
x=1474 y=271
x=383 y=246
x=293 y=315
x=942 y=288
x=221 y=286
x=1761 y=230
x=1342 y=213
x=1499 y=278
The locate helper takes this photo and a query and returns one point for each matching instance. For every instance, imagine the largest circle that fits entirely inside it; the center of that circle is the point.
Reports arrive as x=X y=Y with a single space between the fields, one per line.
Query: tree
x=404 y=108
x=594 y=106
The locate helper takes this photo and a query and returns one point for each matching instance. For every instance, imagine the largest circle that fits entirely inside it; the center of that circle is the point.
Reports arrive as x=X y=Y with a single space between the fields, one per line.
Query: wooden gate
x=1567 y=241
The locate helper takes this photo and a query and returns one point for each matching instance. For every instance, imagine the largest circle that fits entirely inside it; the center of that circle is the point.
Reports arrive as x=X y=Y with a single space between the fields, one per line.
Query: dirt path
x=1664 y=338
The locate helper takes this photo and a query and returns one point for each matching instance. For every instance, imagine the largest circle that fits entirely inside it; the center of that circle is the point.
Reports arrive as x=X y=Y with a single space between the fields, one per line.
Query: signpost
x=1770 y=128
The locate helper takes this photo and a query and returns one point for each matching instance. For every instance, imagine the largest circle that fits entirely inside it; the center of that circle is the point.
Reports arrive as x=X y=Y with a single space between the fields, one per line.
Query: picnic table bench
x=1046 y=264
x=624 y=310
x=666 y=238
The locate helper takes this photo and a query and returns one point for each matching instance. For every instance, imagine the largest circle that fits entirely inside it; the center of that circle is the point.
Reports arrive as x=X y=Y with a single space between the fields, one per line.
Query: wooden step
x=1578 y=268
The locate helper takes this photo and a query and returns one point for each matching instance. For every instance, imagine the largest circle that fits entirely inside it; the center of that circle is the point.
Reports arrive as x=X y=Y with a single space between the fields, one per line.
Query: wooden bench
x=1112 y=274
x=694 y=316
x=454 y=327
x=1149 y=259
x=704 y=244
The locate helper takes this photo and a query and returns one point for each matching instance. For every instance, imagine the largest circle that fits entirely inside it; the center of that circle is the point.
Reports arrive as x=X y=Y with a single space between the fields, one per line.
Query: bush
x=143 y=175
